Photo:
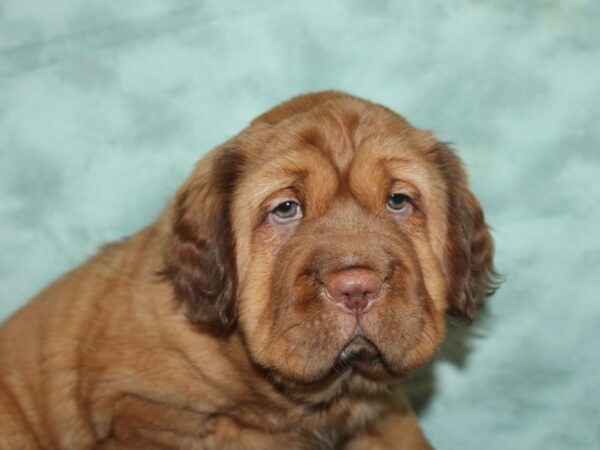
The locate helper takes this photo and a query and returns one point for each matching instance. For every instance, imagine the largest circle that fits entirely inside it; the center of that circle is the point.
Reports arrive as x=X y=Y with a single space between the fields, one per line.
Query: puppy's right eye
x=287 y=211
x=398 y=202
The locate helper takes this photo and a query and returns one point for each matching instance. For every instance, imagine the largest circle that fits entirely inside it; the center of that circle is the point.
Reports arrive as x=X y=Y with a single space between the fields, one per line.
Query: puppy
x=303 y=268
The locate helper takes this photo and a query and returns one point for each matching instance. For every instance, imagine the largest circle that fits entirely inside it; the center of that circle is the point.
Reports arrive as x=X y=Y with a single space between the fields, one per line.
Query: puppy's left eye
x=398 y=202
x=287 y=211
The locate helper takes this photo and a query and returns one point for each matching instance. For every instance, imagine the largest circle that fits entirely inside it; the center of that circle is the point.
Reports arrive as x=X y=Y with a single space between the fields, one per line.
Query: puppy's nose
x=354 y=290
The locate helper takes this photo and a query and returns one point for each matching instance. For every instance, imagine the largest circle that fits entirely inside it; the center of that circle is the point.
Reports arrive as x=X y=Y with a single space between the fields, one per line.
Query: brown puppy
x=312 y=257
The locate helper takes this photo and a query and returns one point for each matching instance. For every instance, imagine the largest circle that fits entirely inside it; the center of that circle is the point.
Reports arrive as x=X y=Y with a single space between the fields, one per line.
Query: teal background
x=105 y=105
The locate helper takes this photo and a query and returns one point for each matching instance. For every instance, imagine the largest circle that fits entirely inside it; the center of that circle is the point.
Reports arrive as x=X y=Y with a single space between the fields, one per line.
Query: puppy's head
x=334 y=236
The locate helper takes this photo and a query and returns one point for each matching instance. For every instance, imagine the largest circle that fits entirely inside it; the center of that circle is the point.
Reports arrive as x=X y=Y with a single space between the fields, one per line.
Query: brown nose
x=354 y=290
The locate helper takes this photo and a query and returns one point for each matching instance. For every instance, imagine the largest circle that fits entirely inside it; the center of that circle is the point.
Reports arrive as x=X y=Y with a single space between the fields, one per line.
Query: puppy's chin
x=364 y=377
x=359 y=368
x=363 y=357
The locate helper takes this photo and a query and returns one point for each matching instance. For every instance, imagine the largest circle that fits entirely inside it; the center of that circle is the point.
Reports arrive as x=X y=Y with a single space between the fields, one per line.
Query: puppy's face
x=348 y=235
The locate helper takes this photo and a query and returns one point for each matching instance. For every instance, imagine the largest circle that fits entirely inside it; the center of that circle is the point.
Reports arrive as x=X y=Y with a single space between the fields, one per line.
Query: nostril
x=353 y=289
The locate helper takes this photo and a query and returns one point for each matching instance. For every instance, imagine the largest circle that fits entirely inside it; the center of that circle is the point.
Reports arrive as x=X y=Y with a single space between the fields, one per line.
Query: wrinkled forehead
x=341 y=131
x=358 y=146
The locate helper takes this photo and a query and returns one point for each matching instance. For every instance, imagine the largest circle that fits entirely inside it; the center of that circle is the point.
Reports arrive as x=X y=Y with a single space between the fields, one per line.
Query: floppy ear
x=200 y=259
x=470 y=247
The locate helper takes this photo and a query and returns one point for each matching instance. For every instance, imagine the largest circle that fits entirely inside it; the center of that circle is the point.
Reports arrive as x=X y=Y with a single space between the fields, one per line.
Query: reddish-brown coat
x=252 y=355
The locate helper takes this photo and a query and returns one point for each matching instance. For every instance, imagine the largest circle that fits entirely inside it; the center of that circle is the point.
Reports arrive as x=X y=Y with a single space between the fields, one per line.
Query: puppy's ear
x=470 y=247
x=200 y=259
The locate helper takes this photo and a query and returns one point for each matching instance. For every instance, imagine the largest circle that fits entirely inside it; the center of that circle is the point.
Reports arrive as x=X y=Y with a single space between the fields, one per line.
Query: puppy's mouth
x=363 y=356
x=359 y=349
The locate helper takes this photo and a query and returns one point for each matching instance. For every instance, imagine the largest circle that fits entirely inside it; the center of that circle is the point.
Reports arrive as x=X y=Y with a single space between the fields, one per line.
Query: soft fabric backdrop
x=105 y=105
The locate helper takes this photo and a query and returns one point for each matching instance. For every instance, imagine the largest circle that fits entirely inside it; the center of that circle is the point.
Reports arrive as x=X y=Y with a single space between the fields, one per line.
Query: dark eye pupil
x=398 y=198
x=397 y=201
x=286 y=209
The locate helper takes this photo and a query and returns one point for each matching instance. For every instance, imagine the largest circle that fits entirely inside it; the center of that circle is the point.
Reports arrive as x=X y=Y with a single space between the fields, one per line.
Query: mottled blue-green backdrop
x=105 y=105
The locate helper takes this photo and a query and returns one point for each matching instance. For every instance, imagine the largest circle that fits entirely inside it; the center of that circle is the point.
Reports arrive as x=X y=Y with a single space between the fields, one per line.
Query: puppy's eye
x=398 y=202
x=287 y=211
